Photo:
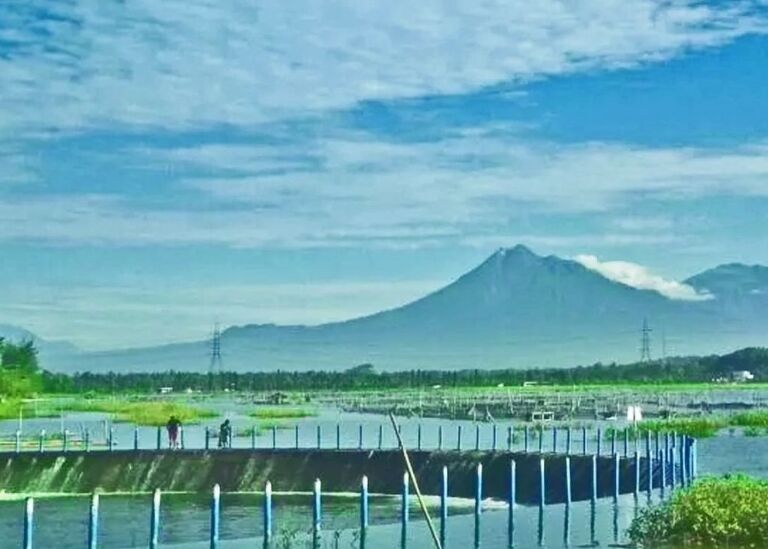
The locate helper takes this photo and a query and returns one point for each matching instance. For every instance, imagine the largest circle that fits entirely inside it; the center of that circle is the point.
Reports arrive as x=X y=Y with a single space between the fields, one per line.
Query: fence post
x=510 y=438
x=29 y=519
x=512 y=488
x=254 y=432
x=41 y=444
x=296 y=435
x=478 y=491
x=440 y=437
x=541 y=439
x=316 y=508
x=111 y=438
x=637 y=473
x=584 y=441
x=381 y=436
x=93 y=522
x=493 y=439
x=207 y=438
x=526 y=439
x=338 y=436
x=319 y=439
x=274 y=437
x=418 y=431
x=613 y=441
x=554 y=440
x=683 y=464
x=215 y=515
x=64 y=441
x=267 y=512
x=542 y=484
x=135 y=438
x=594 y=478
x=360 y=436
x=568 y=493
x=181 y=437
x=159 y=438
x=364 y=503
x=694 y=459
x=87 y=440
x=617 y=473
x=663 y=482
x=477 y=437
x=154 y=520
x=599 y=441
x=458 y=443
x=568 y=441
x=18 y=442
x=649 y=458
x=673 y=472
x=443 y=504
x=626 y=442
x=404 y=510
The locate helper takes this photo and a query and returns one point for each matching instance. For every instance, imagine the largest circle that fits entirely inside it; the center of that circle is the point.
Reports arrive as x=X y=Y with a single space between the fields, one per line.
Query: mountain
x=516 y=309
x=48 y=351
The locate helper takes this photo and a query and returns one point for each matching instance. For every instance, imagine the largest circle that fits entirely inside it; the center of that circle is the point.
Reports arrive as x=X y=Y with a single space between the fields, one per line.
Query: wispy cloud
x=642 y=278
x=178 y=64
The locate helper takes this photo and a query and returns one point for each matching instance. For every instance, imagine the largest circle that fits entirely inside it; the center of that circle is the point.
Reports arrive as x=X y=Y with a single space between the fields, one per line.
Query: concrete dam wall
x=295 y=470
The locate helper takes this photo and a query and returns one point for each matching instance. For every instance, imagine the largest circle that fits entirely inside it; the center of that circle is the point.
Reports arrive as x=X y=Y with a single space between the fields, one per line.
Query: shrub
x=750 y=419
x=282 y=413
x=727 y=512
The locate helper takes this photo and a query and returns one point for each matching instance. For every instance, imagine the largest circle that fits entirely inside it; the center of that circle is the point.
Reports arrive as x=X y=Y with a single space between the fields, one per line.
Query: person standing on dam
x=173 y=426
x=225 y=434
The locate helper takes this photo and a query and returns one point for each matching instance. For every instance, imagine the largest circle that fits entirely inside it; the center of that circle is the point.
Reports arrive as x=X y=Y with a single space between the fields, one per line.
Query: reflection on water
x=185 y=519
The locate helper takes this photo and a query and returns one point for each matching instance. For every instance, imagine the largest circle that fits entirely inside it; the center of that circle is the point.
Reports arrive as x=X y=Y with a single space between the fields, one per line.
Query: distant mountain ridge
x=516 y=309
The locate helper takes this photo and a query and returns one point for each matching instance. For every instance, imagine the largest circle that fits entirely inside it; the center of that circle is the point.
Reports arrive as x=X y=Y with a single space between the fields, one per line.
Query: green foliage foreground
x=716 y=512
x=153 y=413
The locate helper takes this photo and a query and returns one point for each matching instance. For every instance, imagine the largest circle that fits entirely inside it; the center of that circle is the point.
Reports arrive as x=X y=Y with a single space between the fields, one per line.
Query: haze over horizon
x=168 y=165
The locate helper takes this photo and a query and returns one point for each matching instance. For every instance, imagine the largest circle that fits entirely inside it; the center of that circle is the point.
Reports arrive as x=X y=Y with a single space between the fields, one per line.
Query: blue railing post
x=18 y=442
x=613 y=441
x=594 y=478
x=267 y=512
x=616 y=476
x=525 y=443
x=542 y=484
x=477 y=437
x=181 y=437
x=154 y=520
x=681 y=451
x=274 y=437
x=478 y=490
x=418 y=437
x=381 y=436
x=93 y=522
x=41 y=445
x=568 y=492
x=65 y=441
x=338 y=436
x=319 y=437
x=694 y=460
x=541 y=439
x=512 y=495
x=296 y=435
x=458 y=439
x=135 y=438
x=207 y=438
x=440 y=437
x=663 y=479
x=649 y=459
x=443 y=505
x=87 y=440
x=672 y=469
x=364 y=503
x=554 y=440
x=215 y=516
x=111 y=438
x=657 y=442
x=510 y=438
x=584 y=441
x=568 y=441
x=360 y=436
x=626 y=442
x=599 y=443
x=637 y=473
x=29 y=519
x=404 y=507
x=316 y=508
x=159 y=438
x=493 y=438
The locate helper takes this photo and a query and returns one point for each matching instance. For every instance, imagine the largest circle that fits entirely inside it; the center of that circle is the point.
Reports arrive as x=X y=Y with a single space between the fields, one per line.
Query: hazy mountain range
x=516 y=309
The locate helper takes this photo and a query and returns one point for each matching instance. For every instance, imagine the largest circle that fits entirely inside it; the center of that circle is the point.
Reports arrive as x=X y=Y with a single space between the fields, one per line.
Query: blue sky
x=165 y=165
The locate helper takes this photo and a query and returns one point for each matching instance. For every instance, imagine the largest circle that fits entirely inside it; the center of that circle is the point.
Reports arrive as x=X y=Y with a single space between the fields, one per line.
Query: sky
x=168 y=165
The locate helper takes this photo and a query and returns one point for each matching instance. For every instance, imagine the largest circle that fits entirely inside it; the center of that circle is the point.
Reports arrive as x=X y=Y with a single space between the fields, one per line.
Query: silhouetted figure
x=225 y=434
x=173 y=426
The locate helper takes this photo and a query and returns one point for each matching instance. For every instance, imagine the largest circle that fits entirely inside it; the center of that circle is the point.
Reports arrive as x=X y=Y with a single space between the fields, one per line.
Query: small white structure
x=634 y=413
x=742 y=376
x=165 y=390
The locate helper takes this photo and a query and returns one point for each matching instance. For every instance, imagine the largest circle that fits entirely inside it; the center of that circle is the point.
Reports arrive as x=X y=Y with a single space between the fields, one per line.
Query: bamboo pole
x=408 y=466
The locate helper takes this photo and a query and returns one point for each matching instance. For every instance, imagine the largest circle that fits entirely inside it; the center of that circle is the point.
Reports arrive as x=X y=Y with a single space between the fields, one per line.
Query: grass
x=282 y=413
x=715 y=512
x=750 y=419
x=147 y=412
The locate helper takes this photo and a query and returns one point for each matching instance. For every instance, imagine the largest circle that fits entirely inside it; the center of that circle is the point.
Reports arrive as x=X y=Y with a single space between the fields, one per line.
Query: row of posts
x=687 y=467
x=526 y=446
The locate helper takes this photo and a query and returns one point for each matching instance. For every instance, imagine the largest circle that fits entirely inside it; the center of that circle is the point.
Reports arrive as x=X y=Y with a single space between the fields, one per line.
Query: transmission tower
x=215 y=366
x=645 y=342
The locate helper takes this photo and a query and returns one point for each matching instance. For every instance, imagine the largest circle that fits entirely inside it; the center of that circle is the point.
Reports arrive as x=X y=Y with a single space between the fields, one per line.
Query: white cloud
x=184 y=63
x=638 y=276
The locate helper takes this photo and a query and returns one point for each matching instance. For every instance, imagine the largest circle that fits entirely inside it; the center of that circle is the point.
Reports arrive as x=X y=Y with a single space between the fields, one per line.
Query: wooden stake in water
x=568 y=494
x=415 y=483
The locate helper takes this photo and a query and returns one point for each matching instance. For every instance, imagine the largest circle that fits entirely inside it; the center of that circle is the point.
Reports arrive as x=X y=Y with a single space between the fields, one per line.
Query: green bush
x=692 y=427
x=282 y=413
x=716 y=512
x=750 y=419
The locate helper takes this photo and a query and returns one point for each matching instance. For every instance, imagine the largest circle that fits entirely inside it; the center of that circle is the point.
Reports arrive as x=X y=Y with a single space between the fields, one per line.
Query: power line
x=645 y=342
